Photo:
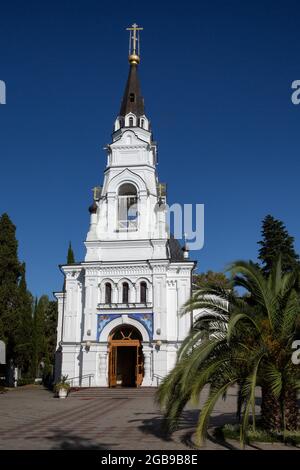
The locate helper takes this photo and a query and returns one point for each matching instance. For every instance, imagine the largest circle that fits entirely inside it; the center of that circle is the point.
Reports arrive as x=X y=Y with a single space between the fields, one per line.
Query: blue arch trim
x=103 y=319
x=146 y=319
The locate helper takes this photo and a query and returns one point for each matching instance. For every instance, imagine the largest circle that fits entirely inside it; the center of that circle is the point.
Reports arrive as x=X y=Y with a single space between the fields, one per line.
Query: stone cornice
x=118 y=270
x=59 y=295
x=130 y=147
x=72 y=274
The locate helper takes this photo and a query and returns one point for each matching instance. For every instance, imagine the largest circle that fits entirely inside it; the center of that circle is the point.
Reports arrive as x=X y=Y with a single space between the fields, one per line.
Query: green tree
x=70 y=256
x=40 y=351
x=34 y=357
x=10 y=273
x=44 y=335
x=211 y=278
x=244 y=341
x=276 y=240
x=24 y=338
x=50 y=329
x=50 y=333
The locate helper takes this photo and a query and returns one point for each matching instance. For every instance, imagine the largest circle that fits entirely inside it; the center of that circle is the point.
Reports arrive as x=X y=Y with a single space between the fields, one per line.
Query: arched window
x=131 y=122
x=125 y=293
x=142 y=122
x=143 y=291
x=108 y=293
x=128 y=139
x=126 y=332
x=127 y=207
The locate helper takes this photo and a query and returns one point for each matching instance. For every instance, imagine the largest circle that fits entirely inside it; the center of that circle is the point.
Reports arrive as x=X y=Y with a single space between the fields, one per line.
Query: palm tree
x=244 y=341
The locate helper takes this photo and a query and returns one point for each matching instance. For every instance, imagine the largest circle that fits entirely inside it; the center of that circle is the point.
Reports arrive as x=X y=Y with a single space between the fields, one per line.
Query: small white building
x=119 y=321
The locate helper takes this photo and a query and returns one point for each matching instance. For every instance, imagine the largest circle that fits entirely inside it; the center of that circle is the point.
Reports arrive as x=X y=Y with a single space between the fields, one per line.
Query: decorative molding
x=171 y=282
x=59 y=295
x=159 y=269
x=179 y=271
x=130 y=305
x=124 y=271
x=119 y=270
x=130 y=147
x=91 y=271
x=73 y=275
x=107 y=279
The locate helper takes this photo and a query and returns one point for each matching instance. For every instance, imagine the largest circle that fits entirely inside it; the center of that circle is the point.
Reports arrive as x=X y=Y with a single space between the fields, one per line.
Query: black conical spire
x=132 y=101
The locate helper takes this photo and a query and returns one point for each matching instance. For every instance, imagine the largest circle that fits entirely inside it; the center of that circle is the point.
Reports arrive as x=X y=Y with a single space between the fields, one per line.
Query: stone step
x=105 y=392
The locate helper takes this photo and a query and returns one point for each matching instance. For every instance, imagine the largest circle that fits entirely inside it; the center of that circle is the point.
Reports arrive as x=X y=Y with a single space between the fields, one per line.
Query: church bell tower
x=126 y=220
x=129 y=290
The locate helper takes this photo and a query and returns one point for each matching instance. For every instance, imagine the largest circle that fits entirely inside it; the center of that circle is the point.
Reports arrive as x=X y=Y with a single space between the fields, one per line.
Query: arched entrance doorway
x=126 y=360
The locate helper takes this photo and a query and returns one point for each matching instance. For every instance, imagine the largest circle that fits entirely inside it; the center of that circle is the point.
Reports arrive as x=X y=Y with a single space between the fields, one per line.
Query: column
x=112 y=214
x=90 y=308
x=103 y=368
x=172 y=310
x=147 y=380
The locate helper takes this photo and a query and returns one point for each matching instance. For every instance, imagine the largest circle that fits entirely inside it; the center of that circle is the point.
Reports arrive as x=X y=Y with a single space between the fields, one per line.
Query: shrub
x=25 y=381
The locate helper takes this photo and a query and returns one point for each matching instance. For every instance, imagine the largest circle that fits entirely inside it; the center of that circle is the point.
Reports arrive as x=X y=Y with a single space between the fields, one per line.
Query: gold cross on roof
x=134 y=39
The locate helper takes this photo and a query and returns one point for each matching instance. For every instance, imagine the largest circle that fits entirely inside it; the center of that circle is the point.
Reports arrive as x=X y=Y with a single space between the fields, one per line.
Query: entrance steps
x=116 y=392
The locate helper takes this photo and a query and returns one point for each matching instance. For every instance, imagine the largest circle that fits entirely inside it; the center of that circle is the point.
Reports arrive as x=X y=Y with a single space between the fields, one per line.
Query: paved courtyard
x=121 y=419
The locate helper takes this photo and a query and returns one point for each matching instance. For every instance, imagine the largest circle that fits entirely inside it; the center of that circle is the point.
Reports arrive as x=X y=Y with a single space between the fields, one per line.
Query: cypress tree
x=70 y=256
x=10 y=267
x=50 y=326
x=50 y=333
x=34 y=360
x=24 y=347
x=276 y=240
x=10 y=273
x=39 y=333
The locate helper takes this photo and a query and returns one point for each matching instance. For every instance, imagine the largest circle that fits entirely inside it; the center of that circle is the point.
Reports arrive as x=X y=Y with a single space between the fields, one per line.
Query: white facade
x=127 y=244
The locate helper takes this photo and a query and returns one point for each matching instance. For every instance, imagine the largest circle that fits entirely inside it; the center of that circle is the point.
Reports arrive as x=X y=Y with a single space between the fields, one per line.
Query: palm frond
x=274 y=378
x=200 y=354
x=195 y=337
x=290 y=314
x=236 y=319
x=214 y=394
x=204 y=376
x=248 y=391
x=256 y=284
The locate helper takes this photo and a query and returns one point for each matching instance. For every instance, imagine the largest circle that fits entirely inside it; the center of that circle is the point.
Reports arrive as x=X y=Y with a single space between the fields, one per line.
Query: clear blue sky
x=216 y=77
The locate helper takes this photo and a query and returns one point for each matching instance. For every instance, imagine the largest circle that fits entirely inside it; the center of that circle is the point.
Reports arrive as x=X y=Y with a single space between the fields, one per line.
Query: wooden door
x=139 y=366
x=113 y=366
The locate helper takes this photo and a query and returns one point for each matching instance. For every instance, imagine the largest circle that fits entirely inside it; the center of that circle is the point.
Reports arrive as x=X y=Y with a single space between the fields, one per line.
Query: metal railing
x=158 y=378
x=127 y=226
x=87 y=378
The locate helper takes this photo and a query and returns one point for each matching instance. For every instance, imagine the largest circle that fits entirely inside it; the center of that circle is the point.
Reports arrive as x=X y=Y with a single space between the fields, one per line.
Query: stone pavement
x=121 y=419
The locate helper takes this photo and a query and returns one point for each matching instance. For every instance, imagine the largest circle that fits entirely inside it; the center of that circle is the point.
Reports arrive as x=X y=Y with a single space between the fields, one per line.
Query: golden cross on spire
x=134 y=43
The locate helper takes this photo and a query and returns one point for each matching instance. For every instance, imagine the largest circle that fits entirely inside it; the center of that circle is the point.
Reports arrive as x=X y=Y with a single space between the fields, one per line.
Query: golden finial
x=134 y=43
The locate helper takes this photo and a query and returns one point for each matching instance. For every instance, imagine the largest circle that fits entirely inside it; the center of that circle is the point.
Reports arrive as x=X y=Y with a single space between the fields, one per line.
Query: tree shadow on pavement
x=68 y=441
x=154 y=424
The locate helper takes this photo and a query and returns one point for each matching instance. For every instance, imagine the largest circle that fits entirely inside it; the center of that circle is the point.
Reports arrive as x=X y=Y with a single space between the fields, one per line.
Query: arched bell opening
x=127 y=207
x=126 y=359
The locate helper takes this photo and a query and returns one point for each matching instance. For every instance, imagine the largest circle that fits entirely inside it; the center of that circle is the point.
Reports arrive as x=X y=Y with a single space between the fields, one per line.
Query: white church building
x=119 y=314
